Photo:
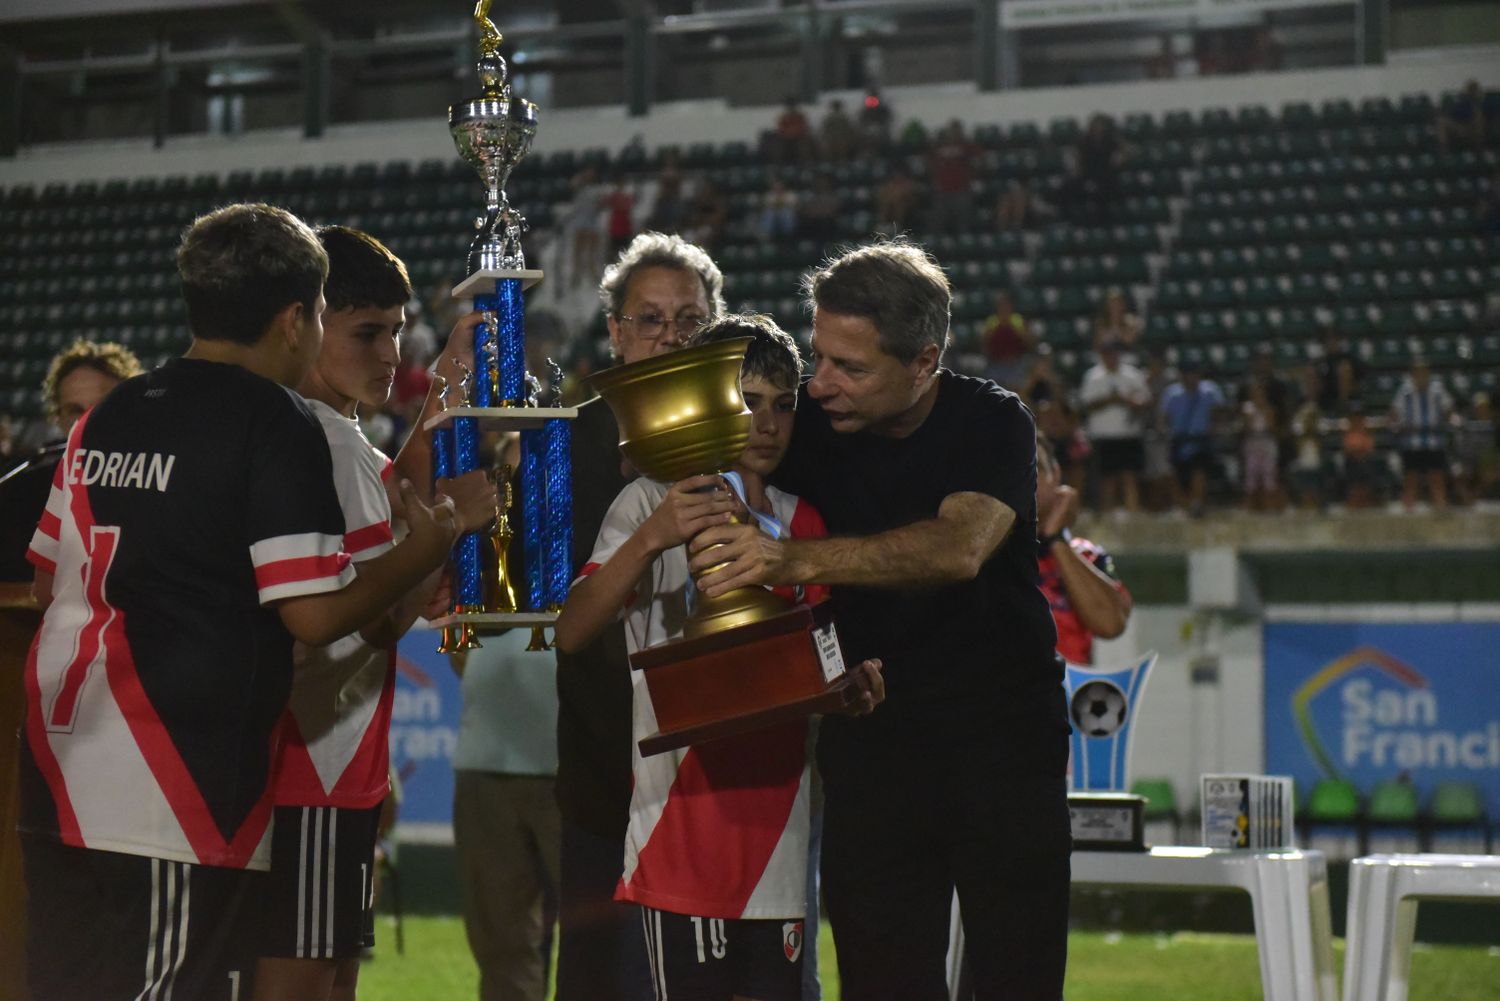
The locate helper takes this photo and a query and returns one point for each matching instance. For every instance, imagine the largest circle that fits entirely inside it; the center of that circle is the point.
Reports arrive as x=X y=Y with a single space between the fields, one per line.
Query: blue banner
x=424 y=732
x=1368 y=702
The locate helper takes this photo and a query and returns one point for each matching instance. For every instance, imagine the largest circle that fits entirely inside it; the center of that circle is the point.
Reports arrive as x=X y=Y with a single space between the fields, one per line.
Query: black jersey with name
x=188 y=502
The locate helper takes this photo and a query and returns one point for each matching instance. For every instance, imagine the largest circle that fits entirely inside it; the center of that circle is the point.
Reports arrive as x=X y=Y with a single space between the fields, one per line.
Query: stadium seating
x=1235 y=227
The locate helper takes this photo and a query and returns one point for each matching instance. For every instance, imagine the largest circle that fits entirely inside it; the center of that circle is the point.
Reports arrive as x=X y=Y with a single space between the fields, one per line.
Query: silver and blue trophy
x=493 y=133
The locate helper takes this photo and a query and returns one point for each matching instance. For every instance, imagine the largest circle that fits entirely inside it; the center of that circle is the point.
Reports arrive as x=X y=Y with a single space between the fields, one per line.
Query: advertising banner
x=1369 y=702
x=424 y=733
x=1018 y=15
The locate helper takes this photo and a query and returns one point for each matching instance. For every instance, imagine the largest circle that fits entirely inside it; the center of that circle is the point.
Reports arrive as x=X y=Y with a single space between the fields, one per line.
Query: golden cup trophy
x=747 y=659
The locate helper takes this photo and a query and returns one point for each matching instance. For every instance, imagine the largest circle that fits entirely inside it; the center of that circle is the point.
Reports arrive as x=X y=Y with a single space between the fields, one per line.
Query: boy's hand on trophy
x=474 y=498
x=749 y=555
x=690 y=506
x=433 y=529
x=460 y=347
x=441 y=599
x=867 y=688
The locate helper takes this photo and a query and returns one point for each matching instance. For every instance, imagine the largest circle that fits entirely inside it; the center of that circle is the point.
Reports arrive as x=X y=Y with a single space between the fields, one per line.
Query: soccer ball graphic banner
x=1102 y=704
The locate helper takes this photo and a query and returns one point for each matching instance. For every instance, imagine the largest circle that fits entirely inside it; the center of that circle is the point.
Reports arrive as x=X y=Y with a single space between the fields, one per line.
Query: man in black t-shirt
x=927 y=480
x=191 y=534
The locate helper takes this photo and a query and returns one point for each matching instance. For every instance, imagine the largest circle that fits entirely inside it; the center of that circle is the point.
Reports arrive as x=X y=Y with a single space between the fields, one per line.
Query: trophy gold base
x=744 y=679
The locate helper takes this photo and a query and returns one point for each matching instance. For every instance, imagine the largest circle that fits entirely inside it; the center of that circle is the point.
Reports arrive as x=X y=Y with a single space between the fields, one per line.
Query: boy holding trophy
x=716 y=852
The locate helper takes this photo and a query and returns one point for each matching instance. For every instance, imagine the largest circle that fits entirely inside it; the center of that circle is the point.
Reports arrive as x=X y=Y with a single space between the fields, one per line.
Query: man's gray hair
x=897 y=286
x=660 y=250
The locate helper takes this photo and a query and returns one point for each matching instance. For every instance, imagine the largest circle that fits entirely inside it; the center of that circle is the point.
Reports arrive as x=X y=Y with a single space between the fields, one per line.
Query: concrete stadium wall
x=680 y=123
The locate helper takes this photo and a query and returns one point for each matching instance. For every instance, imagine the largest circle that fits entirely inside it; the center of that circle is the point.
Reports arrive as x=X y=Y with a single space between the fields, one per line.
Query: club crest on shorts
x=791 y=940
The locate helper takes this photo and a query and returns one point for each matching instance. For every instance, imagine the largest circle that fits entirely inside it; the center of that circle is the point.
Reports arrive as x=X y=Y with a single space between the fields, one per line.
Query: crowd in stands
x=1136 y=427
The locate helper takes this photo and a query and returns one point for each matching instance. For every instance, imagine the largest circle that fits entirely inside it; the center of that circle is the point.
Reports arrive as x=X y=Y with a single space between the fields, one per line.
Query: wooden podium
x=744 y=679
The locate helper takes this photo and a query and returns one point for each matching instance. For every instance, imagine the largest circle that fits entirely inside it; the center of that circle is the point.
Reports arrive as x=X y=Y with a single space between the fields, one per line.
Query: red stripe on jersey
x=586 y=569
x=806 y=523
x=368 y=537
x=299 y=569
x=50 y=525
x=388 y=468
x=41 y=562
x=724 y=816
x=365 y=780
x=36 y=723
x=41 y=753
x=155 y=743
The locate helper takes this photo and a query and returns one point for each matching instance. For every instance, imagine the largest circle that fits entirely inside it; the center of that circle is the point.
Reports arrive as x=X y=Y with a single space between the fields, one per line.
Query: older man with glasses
x=659 y=290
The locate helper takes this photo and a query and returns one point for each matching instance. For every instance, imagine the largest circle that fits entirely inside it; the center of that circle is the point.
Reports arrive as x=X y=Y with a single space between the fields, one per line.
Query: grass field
x=1101 y=967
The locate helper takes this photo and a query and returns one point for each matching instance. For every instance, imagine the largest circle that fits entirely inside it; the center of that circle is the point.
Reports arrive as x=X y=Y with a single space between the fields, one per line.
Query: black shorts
x=1424 y=460
x=320 y=899
x=1120 y=455
x=714 y=959
x=106 y=925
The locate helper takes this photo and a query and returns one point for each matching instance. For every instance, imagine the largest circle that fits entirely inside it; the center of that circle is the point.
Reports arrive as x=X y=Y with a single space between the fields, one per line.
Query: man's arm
x=1102 y=606
x=952 y=547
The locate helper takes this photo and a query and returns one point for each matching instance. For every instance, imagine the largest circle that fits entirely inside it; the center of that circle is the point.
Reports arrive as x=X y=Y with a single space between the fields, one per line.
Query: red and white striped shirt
x=335 y=748
x=187 y=503
x=721 y=829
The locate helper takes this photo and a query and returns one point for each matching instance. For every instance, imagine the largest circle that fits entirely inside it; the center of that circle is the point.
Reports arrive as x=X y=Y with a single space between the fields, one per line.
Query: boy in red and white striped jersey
x=717 y=846
x=193 y=531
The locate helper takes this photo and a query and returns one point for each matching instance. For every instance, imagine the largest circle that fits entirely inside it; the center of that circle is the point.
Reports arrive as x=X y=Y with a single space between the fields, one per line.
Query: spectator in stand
x=778 y=213
x=1094 y=187
x=1479 y=452
x=1163 y=65
x=1018 y=207
x=1339 y=374
x=1281 y=398
x=1460 y=122
x=1488 y=209
x=669 y=209
x=619 y=204
x=950 y=166
x=1307 y=450
x=895 y=201
x=1421 y=414
x=708 y=214
x=1265 y=54
x=1115 y=401
x=1047 y=395
x=1157 y=475
x=1189 y=409
x=837 y=133
x=1259 y=449
x=1361 y=470
x=1078 y=577
x=818 y=215
x=1115 y=319
x=793 y=134
x=1008 y=342
x=581 y=218
x=874 y=122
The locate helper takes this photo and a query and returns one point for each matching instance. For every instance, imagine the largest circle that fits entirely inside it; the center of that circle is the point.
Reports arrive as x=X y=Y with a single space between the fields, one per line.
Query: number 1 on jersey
x=104 y=542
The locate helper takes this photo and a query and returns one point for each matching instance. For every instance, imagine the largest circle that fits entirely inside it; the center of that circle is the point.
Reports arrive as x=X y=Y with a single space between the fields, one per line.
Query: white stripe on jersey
x=329 y=898
x=294 y=547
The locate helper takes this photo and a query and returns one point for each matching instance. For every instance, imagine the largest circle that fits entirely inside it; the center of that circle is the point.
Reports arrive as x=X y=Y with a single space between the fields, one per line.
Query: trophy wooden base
x=744 y=679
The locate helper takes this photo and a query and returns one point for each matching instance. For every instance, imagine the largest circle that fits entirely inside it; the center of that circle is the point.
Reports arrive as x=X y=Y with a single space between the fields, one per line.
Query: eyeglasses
x=653 y=325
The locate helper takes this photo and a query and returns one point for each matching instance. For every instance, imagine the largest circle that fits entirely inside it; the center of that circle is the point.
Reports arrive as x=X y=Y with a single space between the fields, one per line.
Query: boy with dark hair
x=192 y=533
x=332 y=772
x=716 y=851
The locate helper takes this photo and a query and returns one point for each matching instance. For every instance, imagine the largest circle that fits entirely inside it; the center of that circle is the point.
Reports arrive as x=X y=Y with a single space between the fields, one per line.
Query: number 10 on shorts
x=718 y=942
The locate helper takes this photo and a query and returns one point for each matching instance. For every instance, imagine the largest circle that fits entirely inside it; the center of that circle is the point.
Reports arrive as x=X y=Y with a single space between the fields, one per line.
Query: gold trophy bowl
x=681 y=414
